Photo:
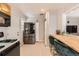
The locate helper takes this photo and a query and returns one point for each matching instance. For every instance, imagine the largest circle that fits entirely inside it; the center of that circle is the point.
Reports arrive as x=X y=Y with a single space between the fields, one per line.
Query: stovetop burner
x=8 y=40
x=2 y=46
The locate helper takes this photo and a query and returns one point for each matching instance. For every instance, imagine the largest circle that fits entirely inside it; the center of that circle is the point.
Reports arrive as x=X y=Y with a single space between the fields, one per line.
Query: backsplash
x=3 y=29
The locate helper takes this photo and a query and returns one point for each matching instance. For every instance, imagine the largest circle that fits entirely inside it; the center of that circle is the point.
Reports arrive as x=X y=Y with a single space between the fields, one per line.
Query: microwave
x=4 y=20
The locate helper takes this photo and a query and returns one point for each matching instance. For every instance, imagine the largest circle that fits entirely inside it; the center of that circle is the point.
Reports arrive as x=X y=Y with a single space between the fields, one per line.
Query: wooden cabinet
x=13 y=50
x=5 y=8
x=63 y=49
x=5 y=15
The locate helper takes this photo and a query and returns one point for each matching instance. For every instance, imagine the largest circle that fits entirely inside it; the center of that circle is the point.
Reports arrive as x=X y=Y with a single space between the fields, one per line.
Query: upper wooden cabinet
x=5 y=16
x=5 y=8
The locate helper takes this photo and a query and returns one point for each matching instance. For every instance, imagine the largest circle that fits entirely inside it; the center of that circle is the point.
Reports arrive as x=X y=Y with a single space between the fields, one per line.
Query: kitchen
x=66 y=42
x=26 y=25
x=8 y=46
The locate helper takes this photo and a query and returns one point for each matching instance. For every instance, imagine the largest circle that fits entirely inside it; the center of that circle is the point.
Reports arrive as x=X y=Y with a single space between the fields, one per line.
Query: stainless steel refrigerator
x=29 y=33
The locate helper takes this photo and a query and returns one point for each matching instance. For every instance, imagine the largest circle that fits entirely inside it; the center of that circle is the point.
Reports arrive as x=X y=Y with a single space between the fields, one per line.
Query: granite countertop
x=7 y=45
x=70 y=40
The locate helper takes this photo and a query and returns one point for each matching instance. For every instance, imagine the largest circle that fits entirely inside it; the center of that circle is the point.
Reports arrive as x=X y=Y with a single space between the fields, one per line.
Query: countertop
x=70 y=40
x=7 y=45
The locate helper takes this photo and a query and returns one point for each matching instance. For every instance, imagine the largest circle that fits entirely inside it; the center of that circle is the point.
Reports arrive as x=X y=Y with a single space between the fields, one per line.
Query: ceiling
x=74 y=13
x=34 y=8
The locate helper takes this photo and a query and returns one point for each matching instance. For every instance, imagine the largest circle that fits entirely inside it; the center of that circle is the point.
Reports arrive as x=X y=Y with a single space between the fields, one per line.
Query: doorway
x=41 y=21
x=39 y=29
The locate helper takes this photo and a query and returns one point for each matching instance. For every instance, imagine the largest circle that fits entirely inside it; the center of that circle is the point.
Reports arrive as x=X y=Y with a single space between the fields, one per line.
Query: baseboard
x=39 y=41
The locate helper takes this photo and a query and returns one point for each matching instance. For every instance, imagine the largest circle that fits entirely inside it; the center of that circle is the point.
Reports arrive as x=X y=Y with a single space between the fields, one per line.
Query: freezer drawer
x=29 y=39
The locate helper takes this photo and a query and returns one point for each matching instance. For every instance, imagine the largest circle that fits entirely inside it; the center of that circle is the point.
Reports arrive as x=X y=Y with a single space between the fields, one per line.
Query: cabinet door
x=14 y=52
x=64 y=49
x=59 y=48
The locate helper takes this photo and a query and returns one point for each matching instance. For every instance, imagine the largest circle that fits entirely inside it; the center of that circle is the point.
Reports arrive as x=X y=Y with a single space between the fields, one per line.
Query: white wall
x=61 y=21
x=3 y=29
x=14 y=28
x=73 y=21
x=64 y=21
x=32 y=19
x=52 y=23
x=22 y=19
x=57 y=21
x=47 y=16
x=37 y=31
x=14 y=31
x=41 y=26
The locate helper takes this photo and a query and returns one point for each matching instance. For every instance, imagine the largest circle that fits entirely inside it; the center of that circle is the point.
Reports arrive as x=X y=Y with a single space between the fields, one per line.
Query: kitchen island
x=67 y=45
x=10 y=47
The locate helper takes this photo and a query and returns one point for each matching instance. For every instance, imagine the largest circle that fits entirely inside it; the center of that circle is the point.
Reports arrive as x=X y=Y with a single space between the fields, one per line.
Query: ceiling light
x=43 y=11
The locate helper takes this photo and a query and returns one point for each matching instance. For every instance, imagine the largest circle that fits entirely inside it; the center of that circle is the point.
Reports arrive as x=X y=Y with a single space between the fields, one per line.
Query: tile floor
x=37 y=49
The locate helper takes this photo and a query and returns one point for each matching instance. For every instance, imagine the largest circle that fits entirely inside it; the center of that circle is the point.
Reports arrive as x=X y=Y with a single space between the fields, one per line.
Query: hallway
x=37 y=49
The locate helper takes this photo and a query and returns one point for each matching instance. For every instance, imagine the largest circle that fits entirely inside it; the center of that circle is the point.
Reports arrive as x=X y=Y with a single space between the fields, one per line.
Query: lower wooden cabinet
x=13 y=50
x=63 y=49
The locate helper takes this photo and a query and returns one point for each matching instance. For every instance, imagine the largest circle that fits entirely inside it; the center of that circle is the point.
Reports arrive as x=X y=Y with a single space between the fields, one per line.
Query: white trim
x=72 y=9
x=47 y=29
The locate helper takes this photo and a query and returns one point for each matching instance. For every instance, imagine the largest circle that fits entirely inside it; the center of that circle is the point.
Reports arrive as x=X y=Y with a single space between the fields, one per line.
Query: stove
x=2 y=46
x=8 y=41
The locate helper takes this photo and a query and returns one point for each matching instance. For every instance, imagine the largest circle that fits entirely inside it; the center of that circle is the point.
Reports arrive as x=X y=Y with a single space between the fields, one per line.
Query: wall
x=41 y=27
x=3 y=29
x=14 y=28
x=14 y=31
x=64 y=22
x=37 y=31
x=52 y=23
x=47 y=16
x=56 y=21
x=32 y=19
x=73 y=21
